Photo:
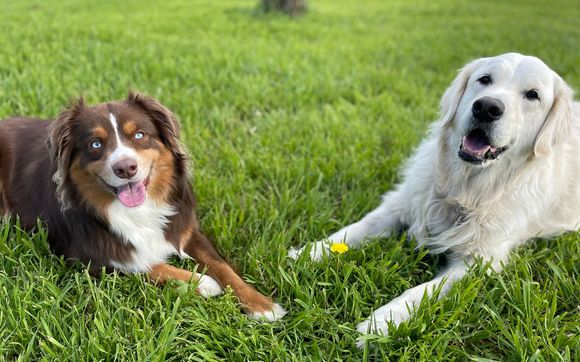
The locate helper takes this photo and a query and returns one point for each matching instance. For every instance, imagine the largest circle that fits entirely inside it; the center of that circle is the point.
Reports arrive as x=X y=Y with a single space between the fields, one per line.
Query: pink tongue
x=476 y=145
x=132 y=194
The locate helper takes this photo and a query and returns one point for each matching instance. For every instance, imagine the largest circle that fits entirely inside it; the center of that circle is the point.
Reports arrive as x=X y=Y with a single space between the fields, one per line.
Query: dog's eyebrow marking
x=129 y=127
x=100 y=132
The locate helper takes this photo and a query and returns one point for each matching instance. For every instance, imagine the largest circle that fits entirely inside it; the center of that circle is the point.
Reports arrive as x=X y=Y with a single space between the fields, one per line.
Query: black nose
x=487 y=109
x=126 y=168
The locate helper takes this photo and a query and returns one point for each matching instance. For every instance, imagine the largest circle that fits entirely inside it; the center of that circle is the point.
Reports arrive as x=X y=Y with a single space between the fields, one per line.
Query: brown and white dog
x=112 y=187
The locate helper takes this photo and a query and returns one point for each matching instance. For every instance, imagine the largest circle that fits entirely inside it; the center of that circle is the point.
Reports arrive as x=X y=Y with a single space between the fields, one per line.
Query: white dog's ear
x=557 y=123
x=454 y=93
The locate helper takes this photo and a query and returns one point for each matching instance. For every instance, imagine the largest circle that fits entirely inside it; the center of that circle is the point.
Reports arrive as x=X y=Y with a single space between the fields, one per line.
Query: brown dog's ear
x=558 y=121
x=60 y=146
x=164 y=120
x=453 y=94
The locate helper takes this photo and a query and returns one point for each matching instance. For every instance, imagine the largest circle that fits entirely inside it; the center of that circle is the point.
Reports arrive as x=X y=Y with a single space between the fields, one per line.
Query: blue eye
x=96 y=144
x=139 y=135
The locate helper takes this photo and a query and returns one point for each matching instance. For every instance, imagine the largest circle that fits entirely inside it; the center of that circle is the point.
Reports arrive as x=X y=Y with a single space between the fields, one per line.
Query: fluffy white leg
x=400 y=309
x=378 y=223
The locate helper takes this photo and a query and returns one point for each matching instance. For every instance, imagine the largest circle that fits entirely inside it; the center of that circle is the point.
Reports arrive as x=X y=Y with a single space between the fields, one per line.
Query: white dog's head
x=509 y=104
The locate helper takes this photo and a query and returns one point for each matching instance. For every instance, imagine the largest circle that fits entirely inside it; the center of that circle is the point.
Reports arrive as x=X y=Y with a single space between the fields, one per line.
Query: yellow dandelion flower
x=339 y=248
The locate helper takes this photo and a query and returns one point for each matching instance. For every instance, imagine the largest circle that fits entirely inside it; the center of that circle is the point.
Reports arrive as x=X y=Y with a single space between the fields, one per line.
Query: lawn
x=295 y=127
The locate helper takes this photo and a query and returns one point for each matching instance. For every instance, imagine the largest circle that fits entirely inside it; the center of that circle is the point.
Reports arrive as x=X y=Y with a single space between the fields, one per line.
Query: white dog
x=500 y=166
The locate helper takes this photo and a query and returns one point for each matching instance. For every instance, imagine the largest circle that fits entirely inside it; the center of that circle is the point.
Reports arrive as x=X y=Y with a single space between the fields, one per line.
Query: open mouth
x=131 y=194
x=476 y=148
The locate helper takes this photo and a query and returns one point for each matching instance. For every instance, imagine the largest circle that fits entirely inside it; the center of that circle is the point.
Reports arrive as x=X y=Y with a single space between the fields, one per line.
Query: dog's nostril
x=477 y=106
x=495 y=111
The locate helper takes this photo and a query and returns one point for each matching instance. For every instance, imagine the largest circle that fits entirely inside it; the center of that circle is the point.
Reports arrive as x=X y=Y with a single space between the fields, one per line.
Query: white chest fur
x=143 y=227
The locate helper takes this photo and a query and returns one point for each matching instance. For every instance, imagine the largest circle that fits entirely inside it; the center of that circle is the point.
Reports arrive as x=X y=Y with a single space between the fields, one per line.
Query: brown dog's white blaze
x=114 y=192
x=127 y=171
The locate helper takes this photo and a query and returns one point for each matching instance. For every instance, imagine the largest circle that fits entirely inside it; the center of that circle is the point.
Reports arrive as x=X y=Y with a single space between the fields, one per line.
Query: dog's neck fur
x=491 y=182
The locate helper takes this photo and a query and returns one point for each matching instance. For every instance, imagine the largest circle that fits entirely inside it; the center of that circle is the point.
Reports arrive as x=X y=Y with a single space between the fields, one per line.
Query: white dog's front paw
x=378 y=323
x=207 y=286
x=272 y=315
x=318 y=250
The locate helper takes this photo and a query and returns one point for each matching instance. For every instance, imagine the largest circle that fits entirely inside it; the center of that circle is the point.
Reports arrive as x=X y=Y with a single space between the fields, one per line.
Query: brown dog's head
x=126 y=150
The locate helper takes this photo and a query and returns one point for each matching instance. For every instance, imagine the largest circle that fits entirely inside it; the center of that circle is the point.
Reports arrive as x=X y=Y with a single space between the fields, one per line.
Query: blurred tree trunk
x=292 y=7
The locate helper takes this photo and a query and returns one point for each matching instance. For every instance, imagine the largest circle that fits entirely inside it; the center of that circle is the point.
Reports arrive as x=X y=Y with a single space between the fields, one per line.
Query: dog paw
x=272 y=315
x=318 y=250
x=207 y=286
x=378 y=323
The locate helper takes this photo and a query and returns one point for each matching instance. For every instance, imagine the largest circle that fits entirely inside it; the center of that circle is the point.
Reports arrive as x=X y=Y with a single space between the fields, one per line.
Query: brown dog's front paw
x=260 y=307
x=272 y=314
x=207 y=286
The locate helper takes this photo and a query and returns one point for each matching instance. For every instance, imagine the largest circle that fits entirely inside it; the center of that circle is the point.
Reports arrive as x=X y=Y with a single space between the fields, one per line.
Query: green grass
x=296 y=127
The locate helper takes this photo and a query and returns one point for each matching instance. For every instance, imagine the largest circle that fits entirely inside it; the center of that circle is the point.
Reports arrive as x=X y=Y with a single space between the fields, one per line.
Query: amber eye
x=96 y=144
x=139 y=135
x=532 y=95
x=485 y=80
